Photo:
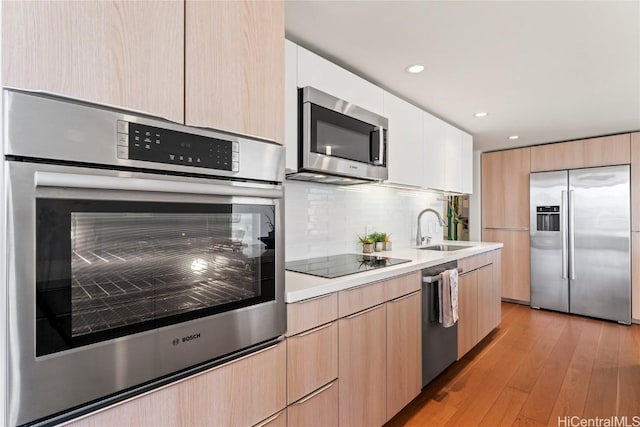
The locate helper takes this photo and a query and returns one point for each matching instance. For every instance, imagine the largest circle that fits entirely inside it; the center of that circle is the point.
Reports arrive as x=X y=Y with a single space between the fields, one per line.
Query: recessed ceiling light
x=415 y=68
x=514 y=137
x=481 y=114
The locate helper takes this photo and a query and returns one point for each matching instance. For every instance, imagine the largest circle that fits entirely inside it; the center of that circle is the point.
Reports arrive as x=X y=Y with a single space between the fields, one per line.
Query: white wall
x=475 y=200
x=323 y=219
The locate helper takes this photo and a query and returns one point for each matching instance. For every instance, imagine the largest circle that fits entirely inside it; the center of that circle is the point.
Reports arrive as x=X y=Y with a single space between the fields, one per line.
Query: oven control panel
x=153 y=144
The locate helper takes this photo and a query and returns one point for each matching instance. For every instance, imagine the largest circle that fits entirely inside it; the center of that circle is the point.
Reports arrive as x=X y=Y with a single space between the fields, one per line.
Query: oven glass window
x=110 y=269
x=337 y=135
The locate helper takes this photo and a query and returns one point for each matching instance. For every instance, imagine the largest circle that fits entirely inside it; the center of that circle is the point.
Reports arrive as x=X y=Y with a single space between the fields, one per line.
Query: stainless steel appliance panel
x=93 y=371
x=439 y=344
x=549 y=278
x=315 y=166
x=80 y=132
x=599 y=239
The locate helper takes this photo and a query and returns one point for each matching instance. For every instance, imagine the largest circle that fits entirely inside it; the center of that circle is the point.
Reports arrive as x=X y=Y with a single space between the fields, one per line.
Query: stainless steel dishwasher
x=439 y=344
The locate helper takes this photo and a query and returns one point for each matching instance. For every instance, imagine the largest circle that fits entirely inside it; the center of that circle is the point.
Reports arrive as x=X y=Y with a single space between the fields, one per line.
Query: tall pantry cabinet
x=505 y=216
x=212 y=64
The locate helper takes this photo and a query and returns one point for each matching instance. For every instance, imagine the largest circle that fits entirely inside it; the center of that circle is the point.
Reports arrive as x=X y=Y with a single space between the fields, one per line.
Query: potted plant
x=367 y=244
x=387 y=242
x=378 y=238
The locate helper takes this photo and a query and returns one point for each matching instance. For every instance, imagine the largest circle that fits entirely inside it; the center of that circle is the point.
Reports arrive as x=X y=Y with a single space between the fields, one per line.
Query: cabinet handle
x=375 y=307
x=268 y=420
x=262 y=350
x=312 y=395
x=360 y=286
x=311 y=299
x=404 y=297
x=319 y=328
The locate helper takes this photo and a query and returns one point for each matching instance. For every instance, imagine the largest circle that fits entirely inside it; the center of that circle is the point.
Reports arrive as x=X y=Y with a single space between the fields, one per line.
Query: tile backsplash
x=323 y=219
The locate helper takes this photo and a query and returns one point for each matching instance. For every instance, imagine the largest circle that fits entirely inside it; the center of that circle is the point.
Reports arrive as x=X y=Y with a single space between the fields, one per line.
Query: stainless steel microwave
x=339 y=142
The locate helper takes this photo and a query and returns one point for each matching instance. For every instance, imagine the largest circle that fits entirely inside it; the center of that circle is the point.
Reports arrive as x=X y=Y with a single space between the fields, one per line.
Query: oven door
x=339 y=137
x=119 y=278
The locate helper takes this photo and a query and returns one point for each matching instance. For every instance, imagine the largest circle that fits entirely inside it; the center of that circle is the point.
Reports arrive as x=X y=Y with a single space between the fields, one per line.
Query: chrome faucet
x=419 y=238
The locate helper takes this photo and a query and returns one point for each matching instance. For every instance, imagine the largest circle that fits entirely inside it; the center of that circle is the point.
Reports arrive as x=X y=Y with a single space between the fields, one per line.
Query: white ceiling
x=547 y=71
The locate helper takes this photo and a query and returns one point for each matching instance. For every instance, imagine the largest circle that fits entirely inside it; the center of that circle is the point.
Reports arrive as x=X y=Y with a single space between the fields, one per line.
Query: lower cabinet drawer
x=476 y=261
x=318 y=409
x=312 y=360
x=239 y=393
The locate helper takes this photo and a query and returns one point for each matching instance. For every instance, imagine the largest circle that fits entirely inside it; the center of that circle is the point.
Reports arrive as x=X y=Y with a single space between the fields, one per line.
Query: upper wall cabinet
x=505 y=189
x=405 y=141
x=234 y=66
x=119 y=53
x=435 y=142
x=315 y=71
x=448 y=157
x=466 y=163
x=291 y=105
x=586 y=153
x=212 y=64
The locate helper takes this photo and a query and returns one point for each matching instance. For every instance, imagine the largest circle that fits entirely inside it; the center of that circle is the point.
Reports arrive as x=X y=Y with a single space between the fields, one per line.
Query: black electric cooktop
x=341 y=265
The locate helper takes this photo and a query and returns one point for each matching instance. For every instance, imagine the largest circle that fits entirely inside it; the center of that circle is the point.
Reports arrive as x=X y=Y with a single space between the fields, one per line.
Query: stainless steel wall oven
x=136 y=249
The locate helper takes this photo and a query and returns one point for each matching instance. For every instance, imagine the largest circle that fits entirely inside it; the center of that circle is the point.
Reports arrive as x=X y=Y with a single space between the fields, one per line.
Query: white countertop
x=300 y=286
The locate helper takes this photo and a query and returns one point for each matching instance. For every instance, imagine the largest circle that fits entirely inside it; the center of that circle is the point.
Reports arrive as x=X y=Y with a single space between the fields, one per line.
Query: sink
x=444 y=248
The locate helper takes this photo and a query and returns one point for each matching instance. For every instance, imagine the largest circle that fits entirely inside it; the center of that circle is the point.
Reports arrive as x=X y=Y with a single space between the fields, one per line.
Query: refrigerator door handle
x=563 y=231
x=572 y=236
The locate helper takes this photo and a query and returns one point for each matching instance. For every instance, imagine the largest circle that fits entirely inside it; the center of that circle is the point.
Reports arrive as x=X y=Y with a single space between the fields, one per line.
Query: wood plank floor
x=535 y=367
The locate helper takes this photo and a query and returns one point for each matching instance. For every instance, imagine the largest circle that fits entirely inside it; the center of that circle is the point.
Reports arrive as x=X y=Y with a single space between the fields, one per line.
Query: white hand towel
x=447 y=314
x=453 y=283
x=440 y=306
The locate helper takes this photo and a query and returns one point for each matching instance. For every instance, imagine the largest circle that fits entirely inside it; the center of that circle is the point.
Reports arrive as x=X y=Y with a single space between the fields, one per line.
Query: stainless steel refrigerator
x=580 y=242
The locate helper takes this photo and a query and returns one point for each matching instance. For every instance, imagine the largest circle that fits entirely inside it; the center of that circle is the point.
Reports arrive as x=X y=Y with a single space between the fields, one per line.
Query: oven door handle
x=71 y=180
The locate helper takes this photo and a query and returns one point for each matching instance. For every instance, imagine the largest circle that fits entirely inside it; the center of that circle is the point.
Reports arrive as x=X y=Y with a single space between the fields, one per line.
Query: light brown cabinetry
x=320 y=409
x=228 y=394
x=380 y=351
x=120 y=53
x=363 y=366
x=505 y=189
x=205 y=63
x=479 y=309
x=515 y=262
x=467 y=312
x=234 y=66
x=635 y=181
x=312 y=360
x=308 y=314
x=505 y=215
x=635 y=276
x=603 y=151
x=361 y=297
x=497 y=286
x=404 y=351
x=486 y=301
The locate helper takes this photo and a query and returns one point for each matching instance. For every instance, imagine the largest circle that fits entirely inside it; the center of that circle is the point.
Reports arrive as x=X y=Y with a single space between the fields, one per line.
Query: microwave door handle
x=380 y=146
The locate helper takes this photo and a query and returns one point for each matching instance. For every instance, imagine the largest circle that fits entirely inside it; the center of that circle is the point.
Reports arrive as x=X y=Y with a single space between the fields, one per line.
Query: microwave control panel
x=153 y=144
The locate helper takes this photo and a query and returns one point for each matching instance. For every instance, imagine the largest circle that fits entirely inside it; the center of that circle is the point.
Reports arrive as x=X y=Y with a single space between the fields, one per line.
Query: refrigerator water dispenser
x=548 y=218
